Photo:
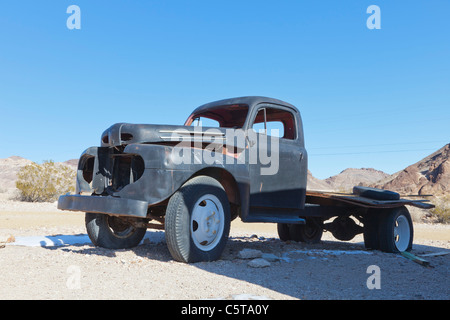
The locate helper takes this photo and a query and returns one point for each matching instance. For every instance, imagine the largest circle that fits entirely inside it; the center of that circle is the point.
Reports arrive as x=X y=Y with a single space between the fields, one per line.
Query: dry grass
x=441 y=213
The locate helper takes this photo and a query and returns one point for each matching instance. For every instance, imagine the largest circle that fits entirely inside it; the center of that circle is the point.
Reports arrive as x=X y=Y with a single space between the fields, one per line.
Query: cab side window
x=275 y=122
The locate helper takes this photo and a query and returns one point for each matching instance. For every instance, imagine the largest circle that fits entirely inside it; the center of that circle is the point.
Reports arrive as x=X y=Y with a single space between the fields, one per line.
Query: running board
x=274 y=216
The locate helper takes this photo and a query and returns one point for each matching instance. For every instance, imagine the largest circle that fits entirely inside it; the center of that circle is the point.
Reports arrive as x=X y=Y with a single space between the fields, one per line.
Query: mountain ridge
x=431 y=175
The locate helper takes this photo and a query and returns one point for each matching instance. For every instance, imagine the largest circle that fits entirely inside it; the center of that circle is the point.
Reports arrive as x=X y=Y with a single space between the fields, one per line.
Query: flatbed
x=350 y=199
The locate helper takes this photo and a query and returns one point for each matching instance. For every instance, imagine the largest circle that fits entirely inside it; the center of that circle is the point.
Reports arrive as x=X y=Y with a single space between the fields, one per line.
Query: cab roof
x=251 y=101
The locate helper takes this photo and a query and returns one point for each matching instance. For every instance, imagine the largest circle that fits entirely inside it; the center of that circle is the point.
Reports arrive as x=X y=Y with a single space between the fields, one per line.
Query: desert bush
x=45 y=182
x=441 y=212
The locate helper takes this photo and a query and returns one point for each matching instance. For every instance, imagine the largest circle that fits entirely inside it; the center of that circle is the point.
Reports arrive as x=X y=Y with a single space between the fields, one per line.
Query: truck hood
x=121 y=134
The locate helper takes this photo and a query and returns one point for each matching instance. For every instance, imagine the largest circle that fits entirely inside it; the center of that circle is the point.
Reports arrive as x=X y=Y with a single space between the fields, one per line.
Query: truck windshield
x=229 y=116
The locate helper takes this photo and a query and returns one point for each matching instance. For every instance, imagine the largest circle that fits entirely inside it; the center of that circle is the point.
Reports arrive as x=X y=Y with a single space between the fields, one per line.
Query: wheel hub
x=402 y=233
x=119 y=228
x=207 y=222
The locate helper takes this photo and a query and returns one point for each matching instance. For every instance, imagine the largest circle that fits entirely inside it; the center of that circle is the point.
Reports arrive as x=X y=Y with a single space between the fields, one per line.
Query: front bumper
x=107 y=205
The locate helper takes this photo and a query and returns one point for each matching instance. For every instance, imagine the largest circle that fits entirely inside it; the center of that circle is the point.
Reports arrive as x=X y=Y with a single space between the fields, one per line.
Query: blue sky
x=368 y=98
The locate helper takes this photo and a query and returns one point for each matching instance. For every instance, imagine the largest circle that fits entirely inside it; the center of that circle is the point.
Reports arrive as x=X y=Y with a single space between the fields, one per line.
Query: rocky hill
x=430 y=175
x=315 y=184
x=347 y=179
x=9 y=168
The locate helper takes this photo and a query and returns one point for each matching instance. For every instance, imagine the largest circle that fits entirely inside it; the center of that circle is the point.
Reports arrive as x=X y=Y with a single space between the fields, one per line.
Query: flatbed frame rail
x=348 y=199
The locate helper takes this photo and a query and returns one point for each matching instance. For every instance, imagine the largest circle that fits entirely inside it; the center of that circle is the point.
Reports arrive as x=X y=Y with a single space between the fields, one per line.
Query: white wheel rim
x=402 y=233
x=207 y=222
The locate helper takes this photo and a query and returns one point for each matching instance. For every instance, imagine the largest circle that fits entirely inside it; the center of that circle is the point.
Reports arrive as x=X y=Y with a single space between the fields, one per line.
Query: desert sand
x=331 y=269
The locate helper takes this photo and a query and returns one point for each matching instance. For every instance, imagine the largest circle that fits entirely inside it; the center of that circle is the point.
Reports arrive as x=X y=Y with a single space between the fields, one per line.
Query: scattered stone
x=270 y=257
x=7 y=239
x=249 y=254
x=258 y=263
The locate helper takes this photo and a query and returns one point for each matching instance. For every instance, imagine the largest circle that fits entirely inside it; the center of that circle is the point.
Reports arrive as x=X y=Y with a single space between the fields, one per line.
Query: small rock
x=259 y=263
x=249 y=254
x=270 y=257
x=7 y=239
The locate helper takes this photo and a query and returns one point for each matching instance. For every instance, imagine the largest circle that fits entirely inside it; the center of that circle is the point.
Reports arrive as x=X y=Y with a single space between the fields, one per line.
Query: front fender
x=165 y=172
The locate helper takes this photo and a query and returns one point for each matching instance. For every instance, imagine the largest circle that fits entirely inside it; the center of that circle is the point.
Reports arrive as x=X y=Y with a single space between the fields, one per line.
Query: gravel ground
x=329 y=270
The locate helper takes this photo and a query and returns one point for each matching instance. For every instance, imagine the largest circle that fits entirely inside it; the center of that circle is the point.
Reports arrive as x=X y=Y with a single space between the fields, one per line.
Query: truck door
x=277 y=158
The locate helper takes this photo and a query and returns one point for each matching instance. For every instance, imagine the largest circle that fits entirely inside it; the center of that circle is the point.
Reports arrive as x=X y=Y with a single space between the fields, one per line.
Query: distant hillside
x=315 y=184
x=347 y=179
x=430 y=175
x=73 y=163
x=9 y=168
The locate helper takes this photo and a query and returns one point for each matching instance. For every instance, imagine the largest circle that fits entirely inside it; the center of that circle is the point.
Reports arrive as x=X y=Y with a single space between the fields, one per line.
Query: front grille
x=107 y=170
x=126 y=169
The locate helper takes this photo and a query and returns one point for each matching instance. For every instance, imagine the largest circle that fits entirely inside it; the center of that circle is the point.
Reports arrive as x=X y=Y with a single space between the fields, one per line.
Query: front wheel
x=112 y=232
x=197 y=221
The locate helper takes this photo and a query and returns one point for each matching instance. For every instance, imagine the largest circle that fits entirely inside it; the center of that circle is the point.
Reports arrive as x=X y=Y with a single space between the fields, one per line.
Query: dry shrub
x=45 y=182
x=441 y=213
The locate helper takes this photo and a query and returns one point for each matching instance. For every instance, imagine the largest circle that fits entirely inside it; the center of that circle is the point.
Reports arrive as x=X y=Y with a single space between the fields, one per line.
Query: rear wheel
x=396 y=230
x=283 y=231
x=310 y=232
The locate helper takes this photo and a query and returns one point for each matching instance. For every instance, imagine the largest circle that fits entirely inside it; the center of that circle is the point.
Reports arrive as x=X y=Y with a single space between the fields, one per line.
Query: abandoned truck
x=236 y=158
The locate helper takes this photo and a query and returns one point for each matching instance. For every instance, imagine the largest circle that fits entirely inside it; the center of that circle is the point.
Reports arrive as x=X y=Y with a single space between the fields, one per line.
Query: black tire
x=371 y=229
x=310 y=232
x=283 y=231
x=376 y=194
x=186 y=224
x=396 y=230
x=112 y=232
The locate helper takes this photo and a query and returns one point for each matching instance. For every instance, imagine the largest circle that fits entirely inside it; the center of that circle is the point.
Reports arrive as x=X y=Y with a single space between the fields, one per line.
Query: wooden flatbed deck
x=349 y=199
